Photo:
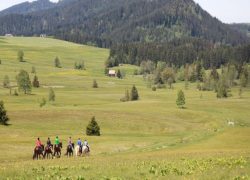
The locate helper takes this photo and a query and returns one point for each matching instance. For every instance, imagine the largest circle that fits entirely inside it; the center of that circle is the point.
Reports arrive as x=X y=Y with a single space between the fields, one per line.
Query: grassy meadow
x=147 y=139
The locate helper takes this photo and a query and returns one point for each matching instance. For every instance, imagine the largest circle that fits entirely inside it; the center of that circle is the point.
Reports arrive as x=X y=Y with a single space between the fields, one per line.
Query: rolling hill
x=146 y=139
x=105 y=22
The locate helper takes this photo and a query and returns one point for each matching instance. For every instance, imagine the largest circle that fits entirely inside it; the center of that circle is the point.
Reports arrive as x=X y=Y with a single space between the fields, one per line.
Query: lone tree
x=95 y=85
x=36 y=82
x=20 y=56
x=3 y=114
x=23 y=82
x=134 y=96
x=93 y=128
x=119 y=74
x=6 y=82
x=52 y=96
x=57 y=63
x=180 y=99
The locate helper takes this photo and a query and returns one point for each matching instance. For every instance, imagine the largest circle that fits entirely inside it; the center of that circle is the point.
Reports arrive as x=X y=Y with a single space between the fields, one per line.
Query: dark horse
x=48 y=152
x=70 y=150
x=38 y=152
x=57 y=150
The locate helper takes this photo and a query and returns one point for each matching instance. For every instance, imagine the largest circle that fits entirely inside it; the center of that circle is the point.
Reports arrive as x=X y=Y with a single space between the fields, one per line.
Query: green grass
x=147 y=139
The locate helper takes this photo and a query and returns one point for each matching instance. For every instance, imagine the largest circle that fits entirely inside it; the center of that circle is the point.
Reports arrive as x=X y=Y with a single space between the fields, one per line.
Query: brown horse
x=70 y=150
x=38 y=152
x=48 y=152
x=57 y=150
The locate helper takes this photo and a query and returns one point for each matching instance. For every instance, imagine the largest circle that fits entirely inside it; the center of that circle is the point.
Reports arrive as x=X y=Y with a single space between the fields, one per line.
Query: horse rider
x=57 y=142
x=49 y=144
x=70 y=143
x=38 y=144
x=86 y=144
x=79 y=143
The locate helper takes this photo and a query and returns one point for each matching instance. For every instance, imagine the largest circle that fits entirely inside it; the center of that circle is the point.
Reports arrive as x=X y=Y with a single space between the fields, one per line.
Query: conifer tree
x=93 y=128
x=36 y=83
x=95 y=85
x=52 y=96
x=3 y=114
x=180 y=99
x=57 y=63
x=119 y=75
x=222 y=89
x=134 y=94
x=20 y=56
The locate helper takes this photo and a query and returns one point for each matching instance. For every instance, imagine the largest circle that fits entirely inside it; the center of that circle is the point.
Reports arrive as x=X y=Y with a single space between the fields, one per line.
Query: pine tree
x=57 y=63
x=119 y=75
x=23 y=82
x=36 y=83
x=95 y=85
x=6 y=82
x=180 y=99
x=52 y=96
x=134 y=96
x=20 y=56
x=93 y=128
x=3 y=114
x=222 y=89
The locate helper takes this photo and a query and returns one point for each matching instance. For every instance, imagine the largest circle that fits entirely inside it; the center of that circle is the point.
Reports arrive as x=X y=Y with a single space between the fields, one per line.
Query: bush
x=93 y=128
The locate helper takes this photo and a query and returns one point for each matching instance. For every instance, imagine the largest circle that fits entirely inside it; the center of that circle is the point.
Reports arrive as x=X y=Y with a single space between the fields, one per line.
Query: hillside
x=147 y=139
x=105 y=22
x=28 y=7
x=243 y=28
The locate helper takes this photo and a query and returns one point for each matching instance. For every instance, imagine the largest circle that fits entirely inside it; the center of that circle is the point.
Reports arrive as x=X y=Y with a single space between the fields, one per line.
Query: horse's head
x=73 y=145
x=60 y=144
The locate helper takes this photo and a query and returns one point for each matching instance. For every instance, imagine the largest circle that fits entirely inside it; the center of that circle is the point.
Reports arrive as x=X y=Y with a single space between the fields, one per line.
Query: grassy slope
x=135 y=135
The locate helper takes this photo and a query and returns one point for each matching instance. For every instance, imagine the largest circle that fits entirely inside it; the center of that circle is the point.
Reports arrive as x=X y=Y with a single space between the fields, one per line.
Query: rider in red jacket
x=38 y=143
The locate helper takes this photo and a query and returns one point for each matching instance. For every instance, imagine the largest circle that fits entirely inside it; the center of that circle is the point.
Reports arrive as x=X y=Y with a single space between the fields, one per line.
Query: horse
x=38 y=152
x=70 y=150
x=48 y=151
x=81 y=151
x=57 y=150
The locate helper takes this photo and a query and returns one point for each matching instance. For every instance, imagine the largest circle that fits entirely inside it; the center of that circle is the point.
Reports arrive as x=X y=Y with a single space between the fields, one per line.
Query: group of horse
x=54 y=151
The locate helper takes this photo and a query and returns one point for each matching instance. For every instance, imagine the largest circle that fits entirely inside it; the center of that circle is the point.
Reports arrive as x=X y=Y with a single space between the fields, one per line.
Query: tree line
x=179 y=52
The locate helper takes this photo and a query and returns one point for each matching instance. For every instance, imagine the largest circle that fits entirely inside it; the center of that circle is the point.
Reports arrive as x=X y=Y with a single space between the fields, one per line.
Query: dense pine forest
x=173 y=31
x=104 y=23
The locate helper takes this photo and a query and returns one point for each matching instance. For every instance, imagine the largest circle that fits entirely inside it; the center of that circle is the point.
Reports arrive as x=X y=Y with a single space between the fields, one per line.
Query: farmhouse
x=8 y=35
x=112 y=73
